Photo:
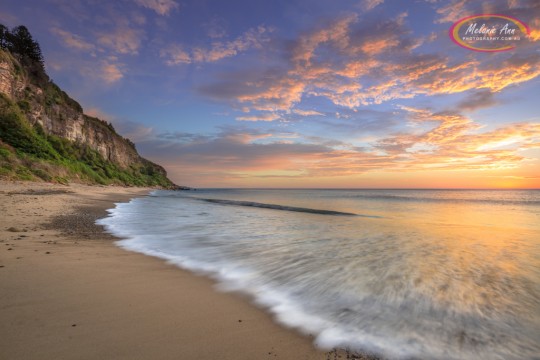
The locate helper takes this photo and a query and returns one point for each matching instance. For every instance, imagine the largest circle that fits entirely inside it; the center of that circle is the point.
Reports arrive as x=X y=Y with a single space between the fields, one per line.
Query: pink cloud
x=370 y=4
x=72 y=40
x=123 y=40
x=175 y=55
x=111 y=73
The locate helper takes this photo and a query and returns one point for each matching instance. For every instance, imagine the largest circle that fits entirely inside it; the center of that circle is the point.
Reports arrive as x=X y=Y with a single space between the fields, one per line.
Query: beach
x=68 y=292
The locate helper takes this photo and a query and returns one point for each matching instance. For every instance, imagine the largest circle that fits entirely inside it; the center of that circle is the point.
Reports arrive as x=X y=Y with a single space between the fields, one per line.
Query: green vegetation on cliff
x=30 y=152
x=27 y=153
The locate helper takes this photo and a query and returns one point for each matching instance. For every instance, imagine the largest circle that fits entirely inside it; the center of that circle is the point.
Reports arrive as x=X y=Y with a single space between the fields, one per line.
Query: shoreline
x=69 y=292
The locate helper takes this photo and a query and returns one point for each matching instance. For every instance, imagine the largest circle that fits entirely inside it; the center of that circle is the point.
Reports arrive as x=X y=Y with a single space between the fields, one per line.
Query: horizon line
x=359 y=188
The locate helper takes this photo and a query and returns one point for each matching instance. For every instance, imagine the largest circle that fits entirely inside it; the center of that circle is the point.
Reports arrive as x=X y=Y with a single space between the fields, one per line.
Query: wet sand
x=67 y=292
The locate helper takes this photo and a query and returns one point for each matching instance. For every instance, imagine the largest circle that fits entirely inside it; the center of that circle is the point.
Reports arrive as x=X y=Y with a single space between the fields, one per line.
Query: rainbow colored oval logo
x=489 y=32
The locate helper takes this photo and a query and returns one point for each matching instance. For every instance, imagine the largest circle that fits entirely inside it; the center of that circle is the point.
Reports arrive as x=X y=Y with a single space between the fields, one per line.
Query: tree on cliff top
x=19 y=41
x=4 y=31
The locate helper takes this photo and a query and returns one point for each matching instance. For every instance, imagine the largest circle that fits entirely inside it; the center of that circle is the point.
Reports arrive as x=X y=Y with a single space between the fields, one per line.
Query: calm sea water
x=433 y=274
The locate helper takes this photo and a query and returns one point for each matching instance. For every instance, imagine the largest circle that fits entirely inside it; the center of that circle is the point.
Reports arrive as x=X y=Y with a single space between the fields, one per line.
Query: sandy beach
x=69 y=293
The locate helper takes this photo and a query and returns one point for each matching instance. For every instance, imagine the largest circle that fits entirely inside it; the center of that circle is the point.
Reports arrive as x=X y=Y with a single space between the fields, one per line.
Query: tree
x=20 y=42
x=4 y=33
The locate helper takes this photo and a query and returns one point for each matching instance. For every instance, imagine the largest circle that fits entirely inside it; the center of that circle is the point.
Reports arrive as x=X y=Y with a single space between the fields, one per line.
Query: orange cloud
x=534 y=25
x=437 y=143
x=353 y=65
x=336 y=34
x=360 y=70
x=472 y=75
x=278 y=96
x=378 y=46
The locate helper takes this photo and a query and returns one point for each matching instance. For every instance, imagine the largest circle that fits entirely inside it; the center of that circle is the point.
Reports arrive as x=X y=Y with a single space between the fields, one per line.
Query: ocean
x=430 y=274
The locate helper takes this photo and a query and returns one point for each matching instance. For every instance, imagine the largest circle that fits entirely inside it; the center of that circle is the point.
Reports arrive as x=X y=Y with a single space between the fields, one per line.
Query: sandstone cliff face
x=47 y=105
x=10 y=84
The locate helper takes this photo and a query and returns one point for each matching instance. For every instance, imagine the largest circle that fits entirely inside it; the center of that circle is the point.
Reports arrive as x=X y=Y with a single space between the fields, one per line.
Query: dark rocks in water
x=183 y=188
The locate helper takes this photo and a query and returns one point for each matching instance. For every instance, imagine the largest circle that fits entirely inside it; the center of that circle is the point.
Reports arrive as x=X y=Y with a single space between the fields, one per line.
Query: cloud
x=280 y=94
x=307 y=112
x=336 y=35
x=453 y=11
x=370 y=4
x=110 y=73
x=175 y=55
x=440 y=141
x=138 y=18
x=215 y=28
x=252 y=39
x=359 y=63
x=9 y=19
x=231 y=150
x=259 y=117
x=475 y=75
x=477 y=100
x=72 y=40
x=161 y=7
x=123 y=39
x=454 y=143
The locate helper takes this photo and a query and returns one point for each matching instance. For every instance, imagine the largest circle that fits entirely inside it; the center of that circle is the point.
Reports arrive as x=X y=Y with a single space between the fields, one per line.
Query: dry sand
x=67 y=292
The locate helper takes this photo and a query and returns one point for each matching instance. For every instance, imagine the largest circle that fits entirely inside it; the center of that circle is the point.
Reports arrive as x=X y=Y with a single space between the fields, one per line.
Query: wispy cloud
x=175 y=54
x=9 y=19
x=122 y=40
x=73 y=40
x=107 y=71
x=370 y=4
x=216 y=28
x=110 y=72
x=478 y=100
x=455 y=10
x=307 y=112
x=254 y=38
x=161 y=7
x=259 y=117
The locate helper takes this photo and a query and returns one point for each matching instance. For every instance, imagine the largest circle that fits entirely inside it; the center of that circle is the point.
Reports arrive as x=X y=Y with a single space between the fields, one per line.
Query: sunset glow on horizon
x=302 y=93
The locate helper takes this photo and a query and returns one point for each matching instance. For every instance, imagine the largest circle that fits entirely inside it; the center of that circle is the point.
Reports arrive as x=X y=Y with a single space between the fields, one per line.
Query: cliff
x=45 y=134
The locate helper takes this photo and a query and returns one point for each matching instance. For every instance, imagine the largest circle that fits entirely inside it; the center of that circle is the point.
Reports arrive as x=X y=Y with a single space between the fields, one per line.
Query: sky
x=301 y=93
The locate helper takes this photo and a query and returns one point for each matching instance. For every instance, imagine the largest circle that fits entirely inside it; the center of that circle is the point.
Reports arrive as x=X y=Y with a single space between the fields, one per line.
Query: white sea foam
x=409 y=284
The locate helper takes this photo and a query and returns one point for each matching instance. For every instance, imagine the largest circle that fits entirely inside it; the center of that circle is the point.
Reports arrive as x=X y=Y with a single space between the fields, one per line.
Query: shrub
x=17 y=132
x=42 y=174
x=5 y=154
x=24 y=105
